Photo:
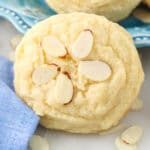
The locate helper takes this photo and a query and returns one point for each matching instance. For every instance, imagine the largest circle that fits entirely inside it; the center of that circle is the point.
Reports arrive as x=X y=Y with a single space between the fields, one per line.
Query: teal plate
x=23 y=14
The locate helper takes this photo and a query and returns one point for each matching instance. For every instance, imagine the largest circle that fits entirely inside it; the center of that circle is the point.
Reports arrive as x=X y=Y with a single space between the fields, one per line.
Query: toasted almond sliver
x=53 y=47
x=94 y=70
x=83 y=45
x=44 y=73
x=124 y=146
x=38 y=143
x=63 y=89
x=142 y=14
x=132 y=135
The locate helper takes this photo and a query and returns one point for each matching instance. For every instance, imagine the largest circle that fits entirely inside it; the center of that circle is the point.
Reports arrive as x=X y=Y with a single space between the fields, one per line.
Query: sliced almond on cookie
x=83 y=45
x=53 y=47
x=94 y=70
x=132 y=135
x=44 y=74
x=63 y=89
x=124 y=146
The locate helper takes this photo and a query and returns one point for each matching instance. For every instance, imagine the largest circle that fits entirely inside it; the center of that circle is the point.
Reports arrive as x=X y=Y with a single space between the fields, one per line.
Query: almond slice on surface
x=63 y=89
x=44 y=73
x=53 y=47
x=94 y=70
x=38 y=143
x=124 y=146
x=132 y=135
x=83 y=45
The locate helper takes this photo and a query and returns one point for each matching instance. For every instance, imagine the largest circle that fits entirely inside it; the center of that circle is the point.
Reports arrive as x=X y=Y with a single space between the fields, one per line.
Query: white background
x=66 y=141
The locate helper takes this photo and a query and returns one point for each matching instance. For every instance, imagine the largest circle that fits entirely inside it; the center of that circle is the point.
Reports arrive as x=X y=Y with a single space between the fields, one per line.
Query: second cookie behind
x=114 y=10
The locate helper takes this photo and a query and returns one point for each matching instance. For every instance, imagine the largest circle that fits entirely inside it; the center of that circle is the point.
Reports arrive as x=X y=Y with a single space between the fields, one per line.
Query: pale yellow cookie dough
x=114 y=10
x=79 y=72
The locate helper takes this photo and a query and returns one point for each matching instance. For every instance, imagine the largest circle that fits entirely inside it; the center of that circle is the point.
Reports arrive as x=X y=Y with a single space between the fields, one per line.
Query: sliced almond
x=44 y=73
x=132 y=135
x=63 y=89
x=38 y=143
x=53 y=47
x=94 y=70
x=124 y=146
x=83 y=45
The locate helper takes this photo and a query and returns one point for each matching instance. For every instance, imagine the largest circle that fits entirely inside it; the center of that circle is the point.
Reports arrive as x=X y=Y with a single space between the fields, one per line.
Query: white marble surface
x=66 y=141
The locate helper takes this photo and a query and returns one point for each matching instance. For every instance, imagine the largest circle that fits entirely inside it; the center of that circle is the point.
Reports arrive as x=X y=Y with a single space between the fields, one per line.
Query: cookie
x=114 y=10
x=79 y=72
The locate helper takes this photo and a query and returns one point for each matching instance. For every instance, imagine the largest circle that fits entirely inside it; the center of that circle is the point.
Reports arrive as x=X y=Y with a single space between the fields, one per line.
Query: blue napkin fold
x=17 y=121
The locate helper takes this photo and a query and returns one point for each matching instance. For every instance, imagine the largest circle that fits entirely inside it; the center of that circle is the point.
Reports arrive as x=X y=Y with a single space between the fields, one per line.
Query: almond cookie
x=114 y=10
x=79 y=72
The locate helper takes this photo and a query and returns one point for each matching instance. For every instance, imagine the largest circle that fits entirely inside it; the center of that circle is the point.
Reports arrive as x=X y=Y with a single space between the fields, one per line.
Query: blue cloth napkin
x=17 y=121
